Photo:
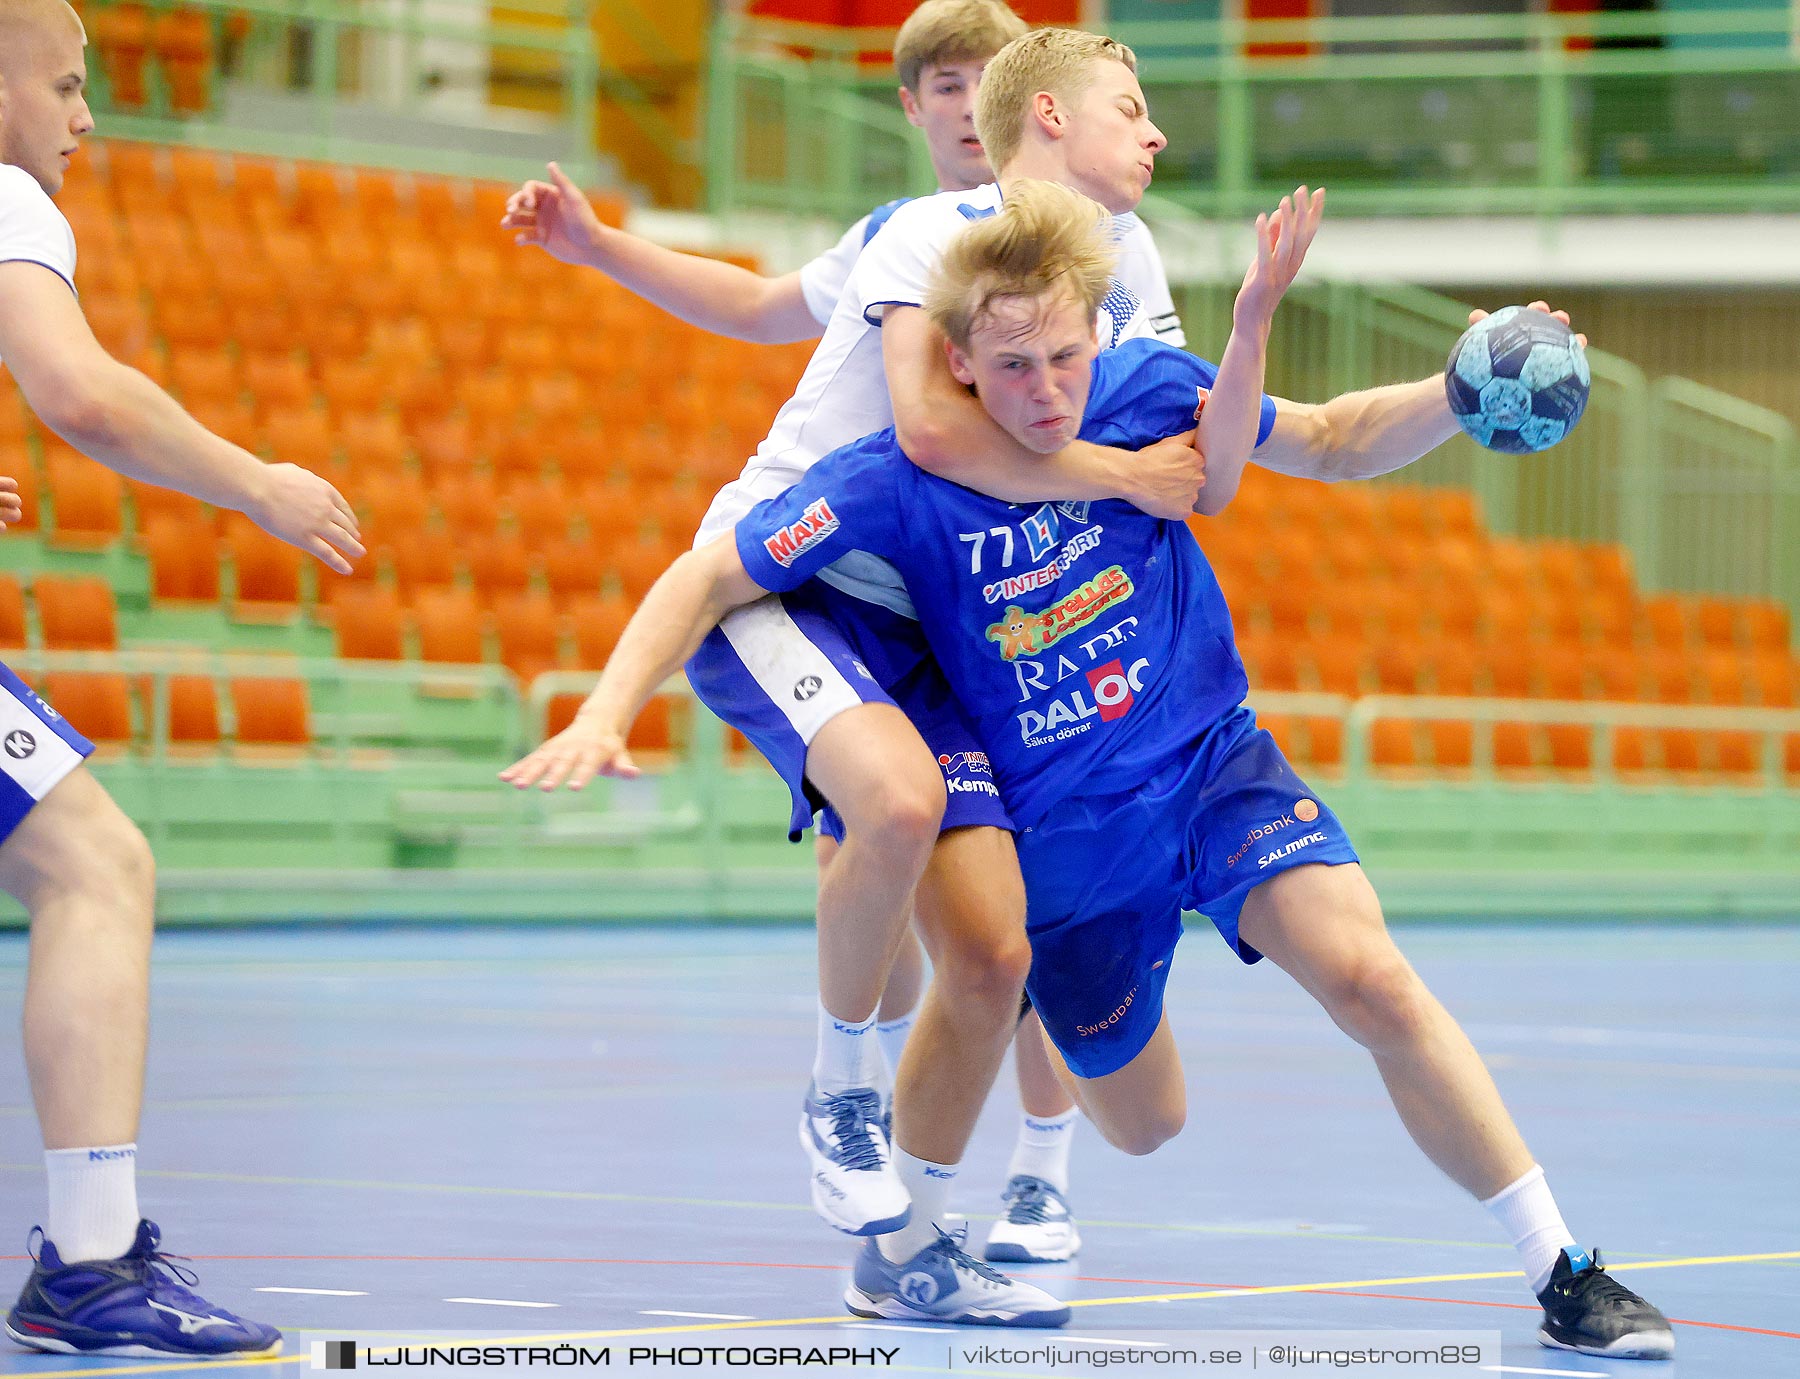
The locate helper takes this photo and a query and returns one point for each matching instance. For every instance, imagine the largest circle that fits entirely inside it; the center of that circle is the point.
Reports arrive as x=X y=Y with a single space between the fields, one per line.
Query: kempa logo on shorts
x=20 y=744
x=807 y=687
x=1110 y=1020
x=790 y=543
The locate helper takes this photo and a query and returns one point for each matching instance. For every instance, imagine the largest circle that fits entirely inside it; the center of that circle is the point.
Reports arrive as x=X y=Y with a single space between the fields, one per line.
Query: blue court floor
x=591 y=1133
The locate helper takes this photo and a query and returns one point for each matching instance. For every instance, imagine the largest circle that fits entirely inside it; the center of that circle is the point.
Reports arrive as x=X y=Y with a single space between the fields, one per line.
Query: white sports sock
x=928 y=1185
x=1042 y=1150
x=892 y=1036
x=847 y=1056
x=1527 y=1213
x=93 y=1201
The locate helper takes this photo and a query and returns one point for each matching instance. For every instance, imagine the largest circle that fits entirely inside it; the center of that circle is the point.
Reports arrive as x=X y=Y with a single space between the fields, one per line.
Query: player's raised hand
x=1563 y=316
x=1282 y=239
x=1166 y=478
x=556 y=216
x=12 y=507
x=581 y=751
x=305 y=511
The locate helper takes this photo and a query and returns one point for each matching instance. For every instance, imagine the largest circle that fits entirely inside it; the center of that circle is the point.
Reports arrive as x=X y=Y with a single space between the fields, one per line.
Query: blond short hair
x=942 y=32
x=1046 y=238
x=1060 y=61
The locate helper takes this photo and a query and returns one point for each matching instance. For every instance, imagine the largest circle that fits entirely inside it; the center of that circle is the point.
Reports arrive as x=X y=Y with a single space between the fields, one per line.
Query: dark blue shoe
x=135 y=1305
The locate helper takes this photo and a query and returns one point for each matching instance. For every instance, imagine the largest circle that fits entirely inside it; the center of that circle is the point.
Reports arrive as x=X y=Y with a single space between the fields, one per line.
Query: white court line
x=502 y=1302
x=714 y=1316
x=319 y=1292
x=1520 y=1369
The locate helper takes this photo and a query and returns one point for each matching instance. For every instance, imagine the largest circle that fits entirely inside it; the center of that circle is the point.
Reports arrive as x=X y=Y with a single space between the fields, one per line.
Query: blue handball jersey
x=1089 y=641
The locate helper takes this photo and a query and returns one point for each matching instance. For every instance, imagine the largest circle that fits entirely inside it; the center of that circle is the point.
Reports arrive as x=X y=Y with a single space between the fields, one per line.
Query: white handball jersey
x=32 y=230
x=822 y=280
x=843 y=394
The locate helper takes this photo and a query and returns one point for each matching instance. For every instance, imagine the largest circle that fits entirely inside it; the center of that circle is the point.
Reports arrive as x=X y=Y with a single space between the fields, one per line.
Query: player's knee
x=903 y=813
x=1383 y=1004
x=987 y=962
x=1147 y=1132
x=121 y=869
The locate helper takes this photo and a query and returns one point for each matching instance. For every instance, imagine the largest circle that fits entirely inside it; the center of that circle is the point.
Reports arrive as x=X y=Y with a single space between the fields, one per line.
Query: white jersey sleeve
x=822 y=281
x=896 y=267
x=1142 y=275
x=31 y=228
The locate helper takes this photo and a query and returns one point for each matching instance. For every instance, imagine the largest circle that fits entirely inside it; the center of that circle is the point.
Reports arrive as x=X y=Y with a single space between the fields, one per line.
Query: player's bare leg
x=905 y=983
x=1323 y=926
x=1143 y=1105
x=871 y=764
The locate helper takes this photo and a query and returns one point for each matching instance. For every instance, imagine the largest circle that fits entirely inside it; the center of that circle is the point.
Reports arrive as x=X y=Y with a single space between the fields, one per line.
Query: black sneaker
x=1587 y=1309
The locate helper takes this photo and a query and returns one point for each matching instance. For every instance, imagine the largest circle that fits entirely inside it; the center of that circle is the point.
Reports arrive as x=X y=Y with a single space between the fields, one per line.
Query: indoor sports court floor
x=591 y=1133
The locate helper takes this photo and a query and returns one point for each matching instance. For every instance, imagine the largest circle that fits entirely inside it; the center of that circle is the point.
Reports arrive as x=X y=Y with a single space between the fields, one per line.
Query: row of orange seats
x=527 y=631
x=1450 y=745
x=1504 y=669
x=114 y=709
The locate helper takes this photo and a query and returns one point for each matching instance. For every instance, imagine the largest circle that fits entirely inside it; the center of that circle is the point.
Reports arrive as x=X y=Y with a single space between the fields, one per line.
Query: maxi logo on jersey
x=1019 y=633
x=1016 y=586
x=791 y=542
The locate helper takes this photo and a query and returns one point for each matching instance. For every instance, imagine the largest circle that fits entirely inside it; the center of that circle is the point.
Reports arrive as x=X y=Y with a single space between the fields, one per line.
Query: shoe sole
x=1645 y=1345
x=1011 y=1252
x=861 y=1304
x=822 y=1204
x=53 y=1346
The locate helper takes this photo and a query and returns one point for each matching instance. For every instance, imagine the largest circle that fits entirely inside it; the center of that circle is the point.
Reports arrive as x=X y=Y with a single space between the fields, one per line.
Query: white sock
x=848 y=1056
x=1043 y=1148
x=1527 y=1213
x=928 y=1185
x=93 y=1201
x=892 y=1036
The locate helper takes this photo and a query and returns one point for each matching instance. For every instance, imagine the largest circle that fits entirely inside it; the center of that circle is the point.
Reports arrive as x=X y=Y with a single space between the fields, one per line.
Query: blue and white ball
x=1517 y=381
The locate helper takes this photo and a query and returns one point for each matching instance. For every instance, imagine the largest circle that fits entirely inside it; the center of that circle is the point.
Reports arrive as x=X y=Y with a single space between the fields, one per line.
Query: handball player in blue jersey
x=1093 y=649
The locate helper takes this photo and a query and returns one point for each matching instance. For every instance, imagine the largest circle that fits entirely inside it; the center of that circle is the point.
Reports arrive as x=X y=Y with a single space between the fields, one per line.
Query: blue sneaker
x=943 y=1283
x=132 y=1306
x=854 y=1186
x=1036 y=1227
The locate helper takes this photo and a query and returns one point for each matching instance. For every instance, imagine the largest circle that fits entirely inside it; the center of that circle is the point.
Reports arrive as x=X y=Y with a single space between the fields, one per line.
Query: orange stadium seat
x=540 y=511
x=1774 y=675
x=1570 y=746
x=1392 y=743
x=299 y=435
x=598 y=622
x=76 y=613
x=271 y=712
x=530 y=640
x=498 y=564
x=266 y=574
x=450 y=626
x=273 y=374
x=1666 y=620
x=1452 y=744
x=397 y=505
x=427 y=562
x=572 y=567
x=12 y=611
x=184 y=559
x=369 y=623
x=469 y=502
x=1765 y=623
x=87 y=500
x=193 y=709
x=97 y=706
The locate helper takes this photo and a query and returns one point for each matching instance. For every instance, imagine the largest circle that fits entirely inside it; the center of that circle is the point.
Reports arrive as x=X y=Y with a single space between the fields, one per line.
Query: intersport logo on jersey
x=1111 y=691
x=790 y=543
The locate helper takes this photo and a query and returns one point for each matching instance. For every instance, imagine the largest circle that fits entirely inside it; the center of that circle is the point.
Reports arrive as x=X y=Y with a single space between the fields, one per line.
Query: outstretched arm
x=1226 y=433
x=1364 y=434
x=115 y=414
x=685 y=604
x=716 y=296
x=944 y=430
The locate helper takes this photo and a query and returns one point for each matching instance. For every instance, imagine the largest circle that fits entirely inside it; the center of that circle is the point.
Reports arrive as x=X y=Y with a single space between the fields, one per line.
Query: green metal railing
x=1536 y=114
x=352 y=63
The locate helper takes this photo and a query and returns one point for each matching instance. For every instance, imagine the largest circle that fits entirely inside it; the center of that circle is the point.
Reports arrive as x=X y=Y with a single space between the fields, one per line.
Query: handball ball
x=1517 y=381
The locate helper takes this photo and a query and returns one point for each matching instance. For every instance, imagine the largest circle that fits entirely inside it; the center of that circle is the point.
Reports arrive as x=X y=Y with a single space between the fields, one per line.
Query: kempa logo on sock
x=334 y=1354
x=106 y=1155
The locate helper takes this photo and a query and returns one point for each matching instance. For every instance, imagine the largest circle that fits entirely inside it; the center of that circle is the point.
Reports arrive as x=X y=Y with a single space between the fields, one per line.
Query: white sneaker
x=854 y=1186
x=1037 y=1227
x=941 y=1283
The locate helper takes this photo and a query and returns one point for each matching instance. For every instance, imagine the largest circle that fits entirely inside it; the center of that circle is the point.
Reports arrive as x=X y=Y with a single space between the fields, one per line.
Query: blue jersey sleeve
x=852 y=500
x=1144 y=390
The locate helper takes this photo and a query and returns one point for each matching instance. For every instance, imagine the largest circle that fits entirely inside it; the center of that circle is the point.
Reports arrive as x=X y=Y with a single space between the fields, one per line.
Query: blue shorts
x=1107 y=877
x=38 y=749
x=778 y=670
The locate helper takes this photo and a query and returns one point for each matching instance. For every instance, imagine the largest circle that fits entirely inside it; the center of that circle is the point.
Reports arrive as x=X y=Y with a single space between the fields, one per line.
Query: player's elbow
x=930 y=444
x=82 y=409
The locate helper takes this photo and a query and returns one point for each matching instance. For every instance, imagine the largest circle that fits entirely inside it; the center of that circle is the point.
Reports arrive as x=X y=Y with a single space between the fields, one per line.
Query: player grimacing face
x=944 y=108
x=1029 y=361
x=1111 y=145
x=43 y=108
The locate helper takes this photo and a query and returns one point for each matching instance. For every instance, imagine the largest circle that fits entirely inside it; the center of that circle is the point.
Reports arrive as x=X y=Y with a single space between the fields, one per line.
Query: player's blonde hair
x=1045 y=238
x=942 y=32
x=1060 y=61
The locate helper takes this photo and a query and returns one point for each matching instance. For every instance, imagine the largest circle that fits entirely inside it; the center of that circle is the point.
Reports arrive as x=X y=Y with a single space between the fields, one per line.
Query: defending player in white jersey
x=939 y=55
x=100 y=1285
